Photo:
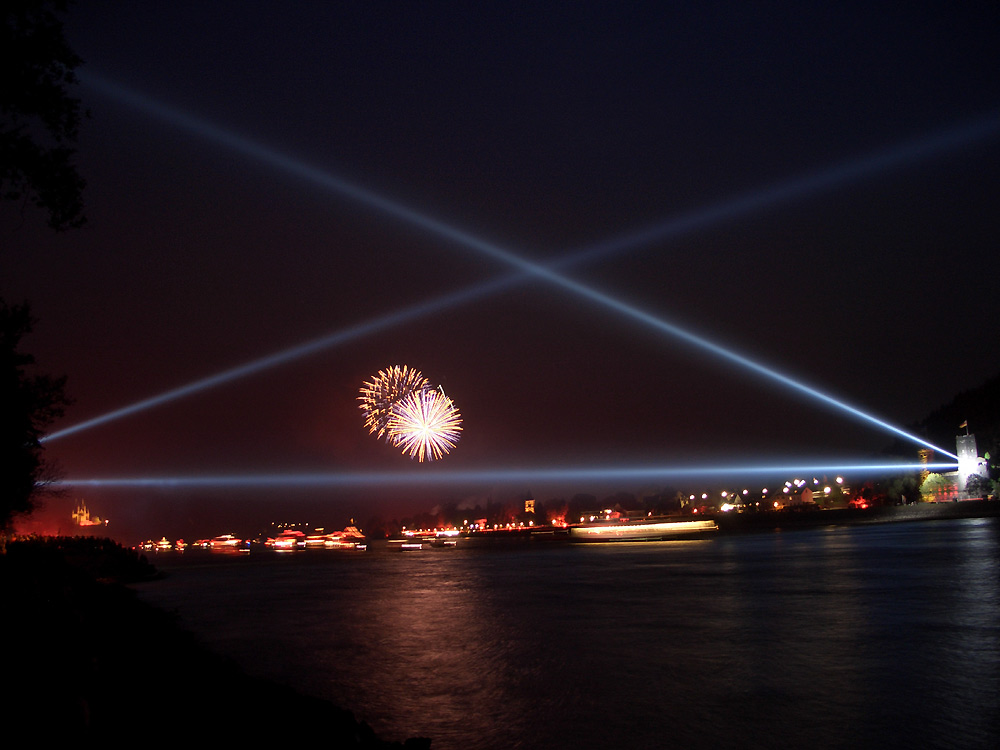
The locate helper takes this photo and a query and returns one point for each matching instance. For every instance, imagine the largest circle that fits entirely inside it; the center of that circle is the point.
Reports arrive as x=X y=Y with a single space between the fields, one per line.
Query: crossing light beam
x=726 y=210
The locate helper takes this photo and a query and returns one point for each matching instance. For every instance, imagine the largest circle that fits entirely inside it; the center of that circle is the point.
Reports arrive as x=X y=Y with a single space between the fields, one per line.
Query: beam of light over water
x=437 y=476
x=725 y=210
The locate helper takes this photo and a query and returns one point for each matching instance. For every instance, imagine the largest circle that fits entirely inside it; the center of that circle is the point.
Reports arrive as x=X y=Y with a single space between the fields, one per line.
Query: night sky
x=542 y=132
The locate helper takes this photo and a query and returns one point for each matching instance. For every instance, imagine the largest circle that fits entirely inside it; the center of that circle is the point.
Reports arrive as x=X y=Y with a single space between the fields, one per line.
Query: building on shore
x=969 y=464
x=81 y=516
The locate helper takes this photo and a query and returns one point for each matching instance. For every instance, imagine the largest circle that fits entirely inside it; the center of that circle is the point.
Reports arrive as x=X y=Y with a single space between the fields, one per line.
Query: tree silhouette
x=39 y=120
x=29 y=403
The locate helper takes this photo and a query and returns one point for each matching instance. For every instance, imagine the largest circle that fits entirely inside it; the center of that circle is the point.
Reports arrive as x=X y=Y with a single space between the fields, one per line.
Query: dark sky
x=542 y=131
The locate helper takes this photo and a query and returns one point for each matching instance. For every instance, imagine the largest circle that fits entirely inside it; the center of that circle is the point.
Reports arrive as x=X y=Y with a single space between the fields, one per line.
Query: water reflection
x=440 y=654
x=969 y=636
x=845 y=637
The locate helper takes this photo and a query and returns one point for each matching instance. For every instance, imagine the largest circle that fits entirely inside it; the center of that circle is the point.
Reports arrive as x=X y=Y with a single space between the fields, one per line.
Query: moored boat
x=350 y=538
x=227 y=543
x=412 y=540
x=293 y=539
x=288 y=539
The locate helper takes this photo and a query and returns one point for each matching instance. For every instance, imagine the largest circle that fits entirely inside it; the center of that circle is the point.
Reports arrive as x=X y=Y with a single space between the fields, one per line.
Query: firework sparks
x=425 y=424
x=385 y=389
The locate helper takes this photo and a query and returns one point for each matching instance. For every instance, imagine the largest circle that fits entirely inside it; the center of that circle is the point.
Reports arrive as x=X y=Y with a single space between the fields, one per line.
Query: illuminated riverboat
x=227 y=543
x=414 y=540
x=641 y=531
x=316 y=540
x=293 y=539
x=350 y=538
x=288 y=539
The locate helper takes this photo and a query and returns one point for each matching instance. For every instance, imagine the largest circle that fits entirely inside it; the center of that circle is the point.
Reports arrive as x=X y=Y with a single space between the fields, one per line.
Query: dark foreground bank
x=85 y=659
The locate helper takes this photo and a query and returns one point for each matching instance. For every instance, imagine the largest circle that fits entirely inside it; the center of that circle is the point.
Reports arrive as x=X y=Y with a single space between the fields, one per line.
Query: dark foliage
x=978 y=486
x=979 y=407
x=39 y=120
x=29 y=403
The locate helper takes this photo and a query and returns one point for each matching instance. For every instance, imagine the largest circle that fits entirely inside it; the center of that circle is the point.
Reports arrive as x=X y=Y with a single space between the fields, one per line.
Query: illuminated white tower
x=968 y=462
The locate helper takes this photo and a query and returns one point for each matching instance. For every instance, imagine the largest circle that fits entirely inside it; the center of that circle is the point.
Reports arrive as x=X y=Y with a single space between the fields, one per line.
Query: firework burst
x=385 y=389
x=425 y=424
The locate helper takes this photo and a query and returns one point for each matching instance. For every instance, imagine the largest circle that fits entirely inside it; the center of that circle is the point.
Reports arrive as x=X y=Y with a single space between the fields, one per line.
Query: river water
x=865 y=636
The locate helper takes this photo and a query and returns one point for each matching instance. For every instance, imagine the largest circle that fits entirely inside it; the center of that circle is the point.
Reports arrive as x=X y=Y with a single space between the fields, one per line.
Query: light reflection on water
x=843 y=637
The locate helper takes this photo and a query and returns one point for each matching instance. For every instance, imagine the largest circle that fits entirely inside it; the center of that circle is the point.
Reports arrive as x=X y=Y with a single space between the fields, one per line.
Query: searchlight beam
x=441 y=477
x=725 y=210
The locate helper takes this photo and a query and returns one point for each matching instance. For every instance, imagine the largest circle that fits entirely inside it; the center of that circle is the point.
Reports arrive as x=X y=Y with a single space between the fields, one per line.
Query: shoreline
x=90 y=661
x=813 y=517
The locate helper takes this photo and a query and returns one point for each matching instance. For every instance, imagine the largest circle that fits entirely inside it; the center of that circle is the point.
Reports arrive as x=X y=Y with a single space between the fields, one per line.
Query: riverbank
x=810 y=517
x=86 y=660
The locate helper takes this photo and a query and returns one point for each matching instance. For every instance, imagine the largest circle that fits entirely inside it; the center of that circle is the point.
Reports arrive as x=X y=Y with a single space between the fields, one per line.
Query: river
x=855 y=636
